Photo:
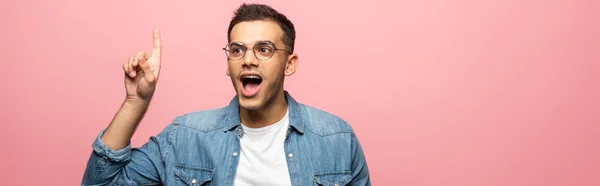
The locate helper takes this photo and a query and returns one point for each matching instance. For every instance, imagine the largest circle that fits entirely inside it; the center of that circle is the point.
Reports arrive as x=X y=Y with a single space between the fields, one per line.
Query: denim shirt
x=202 y=148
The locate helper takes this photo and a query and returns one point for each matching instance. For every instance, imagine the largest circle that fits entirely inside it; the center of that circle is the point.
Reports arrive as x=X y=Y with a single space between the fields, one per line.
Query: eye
x=265 y=49
x=236 y=50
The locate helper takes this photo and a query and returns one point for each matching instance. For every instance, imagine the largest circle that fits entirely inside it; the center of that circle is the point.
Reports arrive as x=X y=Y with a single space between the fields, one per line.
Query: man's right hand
x=141 y=73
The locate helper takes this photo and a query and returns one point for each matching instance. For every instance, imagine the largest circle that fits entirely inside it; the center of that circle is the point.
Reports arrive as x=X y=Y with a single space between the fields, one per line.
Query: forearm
x=121 y=129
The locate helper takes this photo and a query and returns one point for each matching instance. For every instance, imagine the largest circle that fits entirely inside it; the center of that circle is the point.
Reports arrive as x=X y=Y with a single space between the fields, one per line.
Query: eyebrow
x=259 y=42
x=264 y=41
x=237 y=43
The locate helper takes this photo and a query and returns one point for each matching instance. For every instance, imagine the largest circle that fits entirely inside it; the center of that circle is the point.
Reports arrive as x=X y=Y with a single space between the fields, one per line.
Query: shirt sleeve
x=360 y=170
x=127 y=166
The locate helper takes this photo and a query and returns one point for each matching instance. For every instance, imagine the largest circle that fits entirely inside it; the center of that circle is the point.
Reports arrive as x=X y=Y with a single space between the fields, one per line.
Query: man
x=263 y=137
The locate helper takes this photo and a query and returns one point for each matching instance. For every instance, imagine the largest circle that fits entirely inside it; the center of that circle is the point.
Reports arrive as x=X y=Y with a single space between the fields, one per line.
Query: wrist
x=136 y=102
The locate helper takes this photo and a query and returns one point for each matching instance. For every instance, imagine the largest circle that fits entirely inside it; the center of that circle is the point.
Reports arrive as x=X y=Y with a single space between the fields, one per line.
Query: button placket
x=240 y=132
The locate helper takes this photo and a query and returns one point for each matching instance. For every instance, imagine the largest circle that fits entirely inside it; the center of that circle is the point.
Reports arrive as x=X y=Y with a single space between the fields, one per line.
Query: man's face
x=257 y=81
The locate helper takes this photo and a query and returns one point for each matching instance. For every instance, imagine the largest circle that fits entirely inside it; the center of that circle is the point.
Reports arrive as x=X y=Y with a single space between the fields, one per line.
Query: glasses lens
x=263 y=51
x=235 y=51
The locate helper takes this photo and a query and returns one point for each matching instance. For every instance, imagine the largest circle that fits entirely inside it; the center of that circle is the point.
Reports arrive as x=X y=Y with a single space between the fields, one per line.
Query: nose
x=250 y=58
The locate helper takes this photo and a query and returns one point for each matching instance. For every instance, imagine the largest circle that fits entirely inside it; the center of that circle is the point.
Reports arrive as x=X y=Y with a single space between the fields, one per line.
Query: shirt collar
x=232 y=117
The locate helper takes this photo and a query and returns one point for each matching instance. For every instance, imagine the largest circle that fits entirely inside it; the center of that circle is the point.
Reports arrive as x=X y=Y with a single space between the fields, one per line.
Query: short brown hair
x=255 y=12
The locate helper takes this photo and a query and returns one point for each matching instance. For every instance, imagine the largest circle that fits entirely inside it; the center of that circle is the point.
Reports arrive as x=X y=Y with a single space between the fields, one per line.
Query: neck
x=272 y=112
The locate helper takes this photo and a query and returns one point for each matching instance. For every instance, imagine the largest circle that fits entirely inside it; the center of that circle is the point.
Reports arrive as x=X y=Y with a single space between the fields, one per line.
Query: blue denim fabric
x=201 y=148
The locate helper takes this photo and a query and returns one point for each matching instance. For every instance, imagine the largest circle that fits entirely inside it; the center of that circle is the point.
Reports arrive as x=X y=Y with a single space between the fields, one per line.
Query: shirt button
x=234 y=153
x=336 y=184
x=194 y=181
x=291 y=155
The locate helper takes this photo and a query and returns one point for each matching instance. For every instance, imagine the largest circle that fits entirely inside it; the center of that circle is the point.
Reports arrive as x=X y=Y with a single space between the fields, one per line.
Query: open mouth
x=251 y=84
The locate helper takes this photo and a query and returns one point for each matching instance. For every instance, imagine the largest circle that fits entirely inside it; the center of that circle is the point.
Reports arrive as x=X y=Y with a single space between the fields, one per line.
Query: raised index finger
x=157 y=49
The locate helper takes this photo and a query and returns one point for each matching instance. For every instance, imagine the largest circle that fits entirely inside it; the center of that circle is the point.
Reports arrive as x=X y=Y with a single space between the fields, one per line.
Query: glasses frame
x=254 y=50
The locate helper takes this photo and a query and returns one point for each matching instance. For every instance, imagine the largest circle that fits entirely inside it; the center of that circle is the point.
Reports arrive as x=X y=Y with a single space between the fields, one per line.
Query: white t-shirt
x=262 y=156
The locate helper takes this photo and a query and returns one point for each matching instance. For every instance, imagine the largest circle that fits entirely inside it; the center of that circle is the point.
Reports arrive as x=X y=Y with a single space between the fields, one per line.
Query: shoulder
x=203 y=120
x=322 y=122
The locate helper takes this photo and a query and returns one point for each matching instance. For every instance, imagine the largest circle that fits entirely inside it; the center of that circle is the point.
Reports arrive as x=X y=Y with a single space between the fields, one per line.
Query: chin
x=250 y=104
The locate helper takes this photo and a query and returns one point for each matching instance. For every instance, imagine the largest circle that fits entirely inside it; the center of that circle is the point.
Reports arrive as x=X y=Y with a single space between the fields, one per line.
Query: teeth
x=252 y=77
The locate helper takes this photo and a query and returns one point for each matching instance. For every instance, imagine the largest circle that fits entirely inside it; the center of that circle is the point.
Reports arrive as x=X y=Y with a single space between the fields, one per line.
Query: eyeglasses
x=263 y=50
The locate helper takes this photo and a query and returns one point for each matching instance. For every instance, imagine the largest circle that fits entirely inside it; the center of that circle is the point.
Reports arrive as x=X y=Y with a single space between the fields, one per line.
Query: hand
x=142 y=71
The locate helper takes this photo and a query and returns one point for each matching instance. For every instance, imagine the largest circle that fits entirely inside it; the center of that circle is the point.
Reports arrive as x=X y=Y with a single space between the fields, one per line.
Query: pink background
x=440 y=92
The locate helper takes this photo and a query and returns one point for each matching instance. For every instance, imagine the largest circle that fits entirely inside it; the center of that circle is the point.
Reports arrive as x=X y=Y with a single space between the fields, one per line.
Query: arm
x=360 y=170
x=112 y=159
x=141 y=75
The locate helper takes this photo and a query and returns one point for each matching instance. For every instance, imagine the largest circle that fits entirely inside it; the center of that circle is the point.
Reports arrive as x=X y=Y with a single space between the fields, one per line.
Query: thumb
x=148 y=74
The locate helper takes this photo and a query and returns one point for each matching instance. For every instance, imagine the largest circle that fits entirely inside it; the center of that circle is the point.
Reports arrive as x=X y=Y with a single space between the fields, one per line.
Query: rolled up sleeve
x=102 y=150
x=127 y=166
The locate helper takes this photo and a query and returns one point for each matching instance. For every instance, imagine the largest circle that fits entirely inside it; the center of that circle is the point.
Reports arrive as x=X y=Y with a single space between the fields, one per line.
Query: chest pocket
x=333 y=178
x=193 y=175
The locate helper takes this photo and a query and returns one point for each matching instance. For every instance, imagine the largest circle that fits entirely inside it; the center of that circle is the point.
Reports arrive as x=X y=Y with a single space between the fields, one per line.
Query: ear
x=291 y=65
x=227 y=69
